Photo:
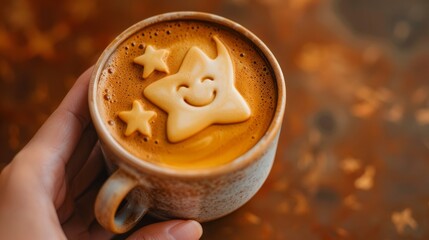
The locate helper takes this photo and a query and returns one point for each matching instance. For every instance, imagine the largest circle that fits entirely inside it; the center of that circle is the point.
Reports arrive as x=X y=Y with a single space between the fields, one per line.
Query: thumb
x=169 y=230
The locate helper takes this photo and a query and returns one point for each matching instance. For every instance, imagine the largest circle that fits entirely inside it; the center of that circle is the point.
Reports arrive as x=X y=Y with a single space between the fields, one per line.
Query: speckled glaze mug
x=200 y=194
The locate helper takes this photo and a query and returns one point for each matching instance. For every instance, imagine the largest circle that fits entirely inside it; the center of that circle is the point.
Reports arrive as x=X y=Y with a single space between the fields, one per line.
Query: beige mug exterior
x=199 y=194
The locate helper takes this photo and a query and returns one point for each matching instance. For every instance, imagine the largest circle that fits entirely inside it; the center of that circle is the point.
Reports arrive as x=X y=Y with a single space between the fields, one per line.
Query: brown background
x=353 y=160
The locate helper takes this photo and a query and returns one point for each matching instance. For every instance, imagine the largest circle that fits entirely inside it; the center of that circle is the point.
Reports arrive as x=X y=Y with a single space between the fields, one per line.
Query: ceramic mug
x=199 y=194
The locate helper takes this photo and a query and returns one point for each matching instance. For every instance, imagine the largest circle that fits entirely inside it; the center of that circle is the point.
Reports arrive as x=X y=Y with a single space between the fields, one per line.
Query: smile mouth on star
x=196 y=103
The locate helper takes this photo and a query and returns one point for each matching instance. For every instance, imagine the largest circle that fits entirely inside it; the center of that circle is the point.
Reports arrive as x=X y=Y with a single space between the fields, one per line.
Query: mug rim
x=240 y=162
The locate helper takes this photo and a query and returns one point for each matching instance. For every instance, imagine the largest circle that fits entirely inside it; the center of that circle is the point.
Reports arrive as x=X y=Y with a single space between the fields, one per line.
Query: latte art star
x=200 y=94
x=152 y=60
x=137 y=119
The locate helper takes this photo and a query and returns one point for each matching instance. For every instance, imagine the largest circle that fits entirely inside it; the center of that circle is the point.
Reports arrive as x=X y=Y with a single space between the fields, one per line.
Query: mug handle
x=109 y=198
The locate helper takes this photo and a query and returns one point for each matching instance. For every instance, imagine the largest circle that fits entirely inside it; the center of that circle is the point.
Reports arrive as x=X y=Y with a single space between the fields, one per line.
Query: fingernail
x=186 y=230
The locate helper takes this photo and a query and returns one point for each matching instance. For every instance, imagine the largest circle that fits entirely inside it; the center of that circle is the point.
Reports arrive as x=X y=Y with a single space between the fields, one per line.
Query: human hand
x=49 y=188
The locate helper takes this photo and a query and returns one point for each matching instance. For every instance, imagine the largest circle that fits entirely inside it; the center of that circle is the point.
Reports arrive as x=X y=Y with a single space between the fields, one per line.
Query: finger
x=92 y=169
x=173 y=229
x=79 y=223
x=62 y=130
x=66 y=209
x=81 y=152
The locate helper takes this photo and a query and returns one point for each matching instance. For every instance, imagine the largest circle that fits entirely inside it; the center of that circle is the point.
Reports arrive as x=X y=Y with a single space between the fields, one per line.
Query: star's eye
x=181 y=86
x=209 y=78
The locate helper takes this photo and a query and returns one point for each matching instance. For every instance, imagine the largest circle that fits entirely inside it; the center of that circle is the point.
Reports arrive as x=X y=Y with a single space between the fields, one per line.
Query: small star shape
x=137 y=119
x=152 y=59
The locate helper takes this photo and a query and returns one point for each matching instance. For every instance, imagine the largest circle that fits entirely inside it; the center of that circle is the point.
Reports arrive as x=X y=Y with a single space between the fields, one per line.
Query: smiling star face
x=200 y=94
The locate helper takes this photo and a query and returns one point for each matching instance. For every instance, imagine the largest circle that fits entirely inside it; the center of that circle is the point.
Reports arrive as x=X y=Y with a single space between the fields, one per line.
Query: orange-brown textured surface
x=352 y=162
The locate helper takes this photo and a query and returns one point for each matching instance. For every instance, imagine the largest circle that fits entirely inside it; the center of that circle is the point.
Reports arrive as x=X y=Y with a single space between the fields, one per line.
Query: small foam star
x=137 y=119
x=153 y=59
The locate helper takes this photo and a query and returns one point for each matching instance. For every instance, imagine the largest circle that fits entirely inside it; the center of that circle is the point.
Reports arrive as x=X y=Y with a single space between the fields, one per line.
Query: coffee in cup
x=188 y=107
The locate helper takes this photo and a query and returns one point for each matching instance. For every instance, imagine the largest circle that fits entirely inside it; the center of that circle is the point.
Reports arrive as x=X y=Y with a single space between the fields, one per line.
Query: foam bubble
x=107 y=97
